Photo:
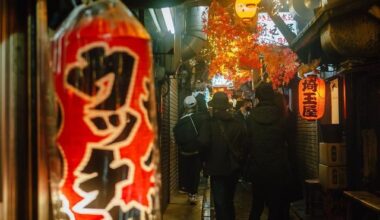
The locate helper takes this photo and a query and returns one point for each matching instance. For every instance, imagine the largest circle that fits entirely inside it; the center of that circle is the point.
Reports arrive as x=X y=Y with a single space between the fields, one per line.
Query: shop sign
x=311 y=97
x=220 y=81
x=270 y=33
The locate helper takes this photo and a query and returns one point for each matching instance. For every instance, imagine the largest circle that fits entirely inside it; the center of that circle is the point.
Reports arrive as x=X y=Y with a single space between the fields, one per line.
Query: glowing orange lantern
x=107 y=137
x=246 y=9
x=311 y=97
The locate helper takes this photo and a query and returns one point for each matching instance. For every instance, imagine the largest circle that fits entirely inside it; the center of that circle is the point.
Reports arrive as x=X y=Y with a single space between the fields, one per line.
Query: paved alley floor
x=180 y=209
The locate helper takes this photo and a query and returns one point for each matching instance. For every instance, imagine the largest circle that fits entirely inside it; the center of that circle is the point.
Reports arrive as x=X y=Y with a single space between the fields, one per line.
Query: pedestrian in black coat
x=221 y=138
x=268 y=164
x=186 y=131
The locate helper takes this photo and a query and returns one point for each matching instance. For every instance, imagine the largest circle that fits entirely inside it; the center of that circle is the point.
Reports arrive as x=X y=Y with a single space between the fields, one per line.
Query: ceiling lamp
x=168 y=19
x=155 y=21
x=246 y=9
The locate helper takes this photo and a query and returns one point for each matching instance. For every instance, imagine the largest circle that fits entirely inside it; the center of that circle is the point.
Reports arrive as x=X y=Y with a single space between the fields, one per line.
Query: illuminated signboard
x=270 y=33
x=219 y=81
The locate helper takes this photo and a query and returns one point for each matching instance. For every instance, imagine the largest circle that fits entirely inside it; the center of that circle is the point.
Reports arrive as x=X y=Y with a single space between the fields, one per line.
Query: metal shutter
x=168 y=149
x=307 y=148
x=173 y=148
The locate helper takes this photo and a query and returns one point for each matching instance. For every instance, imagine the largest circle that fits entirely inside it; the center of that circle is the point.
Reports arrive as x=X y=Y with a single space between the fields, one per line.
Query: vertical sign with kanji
x=311 y=97
x=102 y=68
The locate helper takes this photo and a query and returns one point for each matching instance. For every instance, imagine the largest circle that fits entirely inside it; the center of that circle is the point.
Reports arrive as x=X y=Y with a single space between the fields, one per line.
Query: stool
x=312 y=191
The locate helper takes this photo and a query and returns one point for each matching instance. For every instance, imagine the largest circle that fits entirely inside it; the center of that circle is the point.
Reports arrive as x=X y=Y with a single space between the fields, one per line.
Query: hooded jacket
x=186 y=131
x=222 y=149
x=269 y=158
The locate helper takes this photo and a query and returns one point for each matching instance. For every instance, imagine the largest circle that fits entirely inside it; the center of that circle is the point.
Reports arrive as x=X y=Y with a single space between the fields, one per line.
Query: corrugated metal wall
x=173 y=148
x=307 y=148
x=168 y=150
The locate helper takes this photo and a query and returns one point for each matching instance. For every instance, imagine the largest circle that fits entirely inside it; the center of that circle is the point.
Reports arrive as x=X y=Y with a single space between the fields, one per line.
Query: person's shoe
x=182 y=191
x=193 y=199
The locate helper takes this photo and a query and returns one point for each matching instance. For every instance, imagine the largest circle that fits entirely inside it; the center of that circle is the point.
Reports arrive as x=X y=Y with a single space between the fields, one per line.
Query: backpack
x=185 y=134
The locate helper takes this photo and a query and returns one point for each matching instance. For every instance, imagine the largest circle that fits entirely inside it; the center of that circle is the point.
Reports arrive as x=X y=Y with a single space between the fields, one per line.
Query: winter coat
x=268 y=161
x=240 y=117
x=186 y=131
x=222 y=153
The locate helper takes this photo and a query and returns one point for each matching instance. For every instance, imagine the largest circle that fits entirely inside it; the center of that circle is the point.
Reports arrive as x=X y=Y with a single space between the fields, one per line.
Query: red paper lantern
x=103 y=82
x=311 y=97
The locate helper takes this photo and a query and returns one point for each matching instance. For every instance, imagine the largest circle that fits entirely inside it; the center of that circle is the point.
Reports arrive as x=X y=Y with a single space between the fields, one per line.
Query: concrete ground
x=180 y=209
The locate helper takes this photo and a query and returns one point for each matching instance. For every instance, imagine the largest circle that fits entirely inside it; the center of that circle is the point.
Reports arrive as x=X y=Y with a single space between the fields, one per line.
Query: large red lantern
x=104 y=87
x=311 y=97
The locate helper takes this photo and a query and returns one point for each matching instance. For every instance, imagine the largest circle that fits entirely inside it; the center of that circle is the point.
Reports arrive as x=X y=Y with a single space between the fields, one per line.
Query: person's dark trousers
x=191 y=168
x=258 y=202
x=275 y=199
x=181 y=173
x=223 y=190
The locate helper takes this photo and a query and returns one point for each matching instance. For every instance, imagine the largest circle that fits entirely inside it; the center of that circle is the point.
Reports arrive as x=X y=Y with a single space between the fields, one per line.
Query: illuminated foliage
x=234 y=48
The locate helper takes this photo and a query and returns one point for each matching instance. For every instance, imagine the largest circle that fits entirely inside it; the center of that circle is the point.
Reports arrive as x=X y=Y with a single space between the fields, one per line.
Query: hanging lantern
x=107 y=130
x=246 y=9
x=311 y=97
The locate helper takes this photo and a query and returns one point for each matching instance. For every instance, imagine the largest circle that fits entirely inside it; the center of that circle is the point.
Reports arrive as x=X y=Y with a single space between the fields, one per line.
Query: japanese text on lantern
x=106 y=116
x=311 y=97
x=106 y=160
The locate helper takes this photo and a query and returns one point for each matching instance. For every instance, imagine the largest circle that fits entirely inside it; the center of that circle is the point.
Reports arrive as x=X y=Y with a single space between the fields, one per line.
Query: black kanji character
x=310 y=84
x=124 y=134
x=133 y=213
x=147 y=103
x=309 y=111
x=119 y=63
x=310 y=98
x=149 y=160
x=274 y=31
x=106 y=177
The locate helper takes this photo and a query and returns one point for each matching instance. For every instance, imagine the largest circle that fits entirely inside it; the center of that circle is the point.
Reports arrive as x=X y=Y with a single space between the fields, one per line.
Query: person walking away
x=296 y=188
x=269 y=164
x=202 y=111
x=221 y=138
x=244 y=108
x=185 y=133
